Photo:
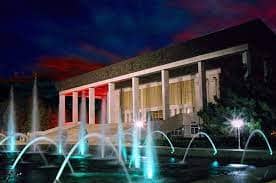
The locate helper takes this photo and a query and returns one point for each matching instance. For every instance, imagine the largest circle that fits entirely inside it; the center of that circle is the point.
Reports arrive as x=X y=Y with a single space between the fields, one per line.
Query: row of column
x=75 y=107
x=165 y=96
x=165 y=92
x=135 y=98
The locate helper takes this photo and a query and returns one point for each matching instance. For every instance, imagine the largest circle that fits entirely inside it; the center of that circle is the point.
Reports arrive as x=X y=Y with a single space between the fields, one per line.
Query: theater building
x=176 y=80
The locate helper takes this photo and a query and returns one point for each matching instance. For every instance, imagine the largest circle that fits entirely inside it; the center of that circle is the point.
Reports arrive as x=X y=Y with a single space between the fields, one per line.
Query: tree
x=252 y=105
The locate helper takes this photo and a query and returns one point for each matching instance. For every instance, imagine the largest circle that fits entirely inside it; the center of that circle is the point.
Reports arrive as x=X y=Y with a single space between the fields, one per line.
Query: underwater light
x=215 y=164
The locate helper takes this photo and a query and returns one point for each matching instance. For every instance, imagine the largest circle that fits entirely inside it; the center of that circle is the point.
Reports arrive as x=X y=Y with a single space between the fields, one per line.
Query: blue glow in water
x=11 y=124
x=60 y=149
x=172 y=160
x=215 y=164
x=60 y=139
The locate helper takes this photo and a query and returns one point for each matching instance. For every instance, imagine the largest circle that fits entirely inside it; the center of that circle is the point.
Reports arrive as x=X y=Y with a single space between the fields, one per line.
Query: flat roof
x=254 y=32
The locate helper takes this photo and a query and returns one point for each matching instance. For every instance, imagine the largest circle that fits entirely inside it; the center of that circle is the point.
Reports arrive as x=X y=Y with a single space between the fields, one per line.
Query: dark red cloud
x=211 y=15
x=59 y=68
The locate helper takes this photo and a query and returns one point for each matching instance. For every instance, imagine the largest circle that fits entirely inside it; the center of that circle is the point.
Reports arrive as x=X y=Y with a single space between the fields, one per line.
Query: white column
x=117 y=106
x=202 y=85
x=165 y=94
x=110 y=102
x=135 y=98
x=62 y=108
x=91 y=98
x=75 y=107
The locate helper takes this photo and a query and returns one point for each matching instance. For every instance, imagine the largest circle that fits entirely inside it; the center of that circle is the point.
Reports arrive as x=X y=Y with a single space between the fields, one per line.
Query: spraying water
x=166 y=137
x=249 y=138
x=136 y=157
x=11 y=124
x=191 y=141
x=2 y=135
x=121 y=140
x=149 y=167
x=83 y=145
x=60 y=141
x=30 y=144
x=75 y=147
x=14 y=136
x=103 y=121
x=35 y=112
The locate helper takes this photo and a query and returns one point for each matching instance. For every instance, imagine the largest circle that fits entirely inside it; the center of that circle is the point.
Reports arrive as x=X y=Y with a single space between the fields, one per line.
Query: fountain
x=102 y=142
x=11 y=124
x=2 y=135
x=249 y=138
x=143 y=159
x=60 y=136
x=191 y=141
x=30 y=144
x=150 y=163
x=83 y=145
x=121 y=140
x=57 y=179
x=135 y=157
x=35 y=111
x=60 y=140
x=164 y=135
x=101 y=148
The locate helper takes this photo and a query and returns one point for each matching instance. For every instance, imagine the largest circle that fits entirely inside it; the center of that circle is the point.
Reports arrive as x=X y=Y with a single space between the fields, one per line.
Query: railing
x=186 y=131
x=67 y=126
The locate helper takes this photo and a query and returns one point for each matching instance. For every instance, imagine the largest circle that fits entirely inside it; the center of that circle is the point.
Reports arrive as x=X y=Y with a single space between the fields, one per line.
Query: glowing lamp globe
x=237 y=123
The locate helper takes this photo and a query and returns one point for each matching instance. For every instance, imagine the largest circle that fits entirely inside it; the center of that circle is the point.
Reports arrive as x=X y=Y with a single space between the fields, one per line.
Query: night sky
x=62 y=38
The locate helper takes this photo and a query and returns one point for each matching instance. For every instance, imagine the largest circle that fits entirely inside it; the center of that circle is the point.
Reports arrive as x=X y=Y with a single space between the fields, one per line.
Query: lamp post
x=238 y=124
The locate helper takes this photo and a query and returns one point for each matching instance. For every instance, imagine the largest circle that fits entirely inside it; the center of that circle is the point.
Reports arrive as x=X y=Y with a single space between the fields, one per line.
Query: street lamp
x=238 y=124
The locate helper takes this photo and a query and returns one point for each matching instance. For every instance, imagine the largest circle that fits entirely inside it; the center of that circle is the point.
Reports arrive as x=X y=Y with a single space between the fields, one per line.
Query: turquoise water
x=91 y=169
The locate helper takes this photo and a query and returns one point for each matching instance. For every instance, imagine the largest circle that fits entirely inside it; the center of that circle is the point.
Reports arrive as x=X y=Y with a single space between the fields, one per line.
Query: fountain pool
x=89 y=169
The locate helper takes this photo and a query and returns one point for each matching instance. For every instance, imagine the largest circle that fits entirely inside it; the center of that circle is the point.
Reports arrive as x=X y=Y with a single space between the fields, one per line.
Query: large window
x=126 y=100
x=180 y=93
x=151 y=96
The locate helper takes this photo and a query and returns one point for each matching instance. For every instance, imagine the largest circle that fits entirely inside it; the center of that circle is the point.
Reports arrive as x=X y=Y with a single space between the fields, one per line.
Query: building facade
x=180 y=79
